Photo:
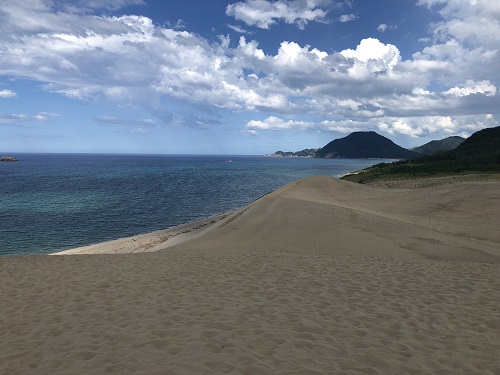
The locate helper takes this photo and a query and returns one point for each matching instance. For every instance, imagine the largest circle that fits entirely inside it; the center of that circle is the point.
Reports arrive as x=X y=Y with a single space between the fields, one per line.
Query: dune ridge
x=319 y=277
x=449 y=222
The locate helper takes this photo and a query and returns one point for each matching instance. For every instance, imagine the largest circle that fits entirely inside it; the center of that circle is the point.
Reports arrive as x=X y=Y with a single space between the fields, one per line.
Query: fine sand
x=149 y=242
x=319 y=277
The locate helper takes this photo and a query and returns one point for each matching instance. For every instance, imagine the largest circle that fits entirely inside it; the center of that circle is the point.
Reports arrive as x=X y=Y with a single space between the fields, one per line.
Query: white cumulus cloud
x=7 y=94
x=264 y=13
x=131 y=60
x=275 y=123
x=468 y=34
x=436 y=126
x=471 y=87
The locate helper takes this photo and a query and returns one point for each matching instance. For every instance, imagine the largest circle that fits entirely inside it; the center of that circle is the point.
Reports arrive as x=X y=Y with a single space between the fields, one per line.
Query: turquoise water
x=50 y=203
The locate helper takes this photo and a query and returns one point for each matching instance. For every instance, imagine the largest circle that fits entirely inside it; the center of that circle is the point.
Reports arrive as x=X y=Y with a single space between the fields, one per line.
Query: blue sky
x=243 y=77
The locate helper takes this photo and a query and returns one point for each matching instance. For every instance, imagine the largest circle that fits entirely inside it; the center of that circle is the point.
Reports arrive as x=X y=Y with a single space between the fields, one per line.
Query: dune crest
x=322 y=214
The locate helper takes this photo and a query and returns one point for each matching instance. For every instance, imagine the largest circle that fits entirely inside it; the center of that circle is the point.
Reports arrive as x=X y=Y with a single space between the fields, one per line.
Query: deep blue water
x=51 y=203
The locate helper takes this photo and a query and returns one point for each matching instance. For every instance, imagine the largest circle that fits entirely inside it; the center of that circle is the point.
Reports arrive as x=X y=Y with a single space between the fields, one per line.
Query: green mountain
x=445 y=144
x=364 y=145
x=478 y=153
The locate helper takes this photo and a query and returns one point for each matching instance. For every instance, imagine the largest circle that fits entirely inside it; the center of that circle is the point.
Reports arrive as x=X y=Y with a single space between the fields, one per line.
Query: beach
x=321 y=276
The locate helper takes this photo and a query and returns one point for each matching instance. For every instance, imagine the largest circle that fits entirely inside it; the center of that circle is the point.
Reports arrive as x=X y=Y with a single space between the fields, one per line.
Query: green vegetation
x=364 y=145
x=477 y=154
x=445 y=144
x=306 y=153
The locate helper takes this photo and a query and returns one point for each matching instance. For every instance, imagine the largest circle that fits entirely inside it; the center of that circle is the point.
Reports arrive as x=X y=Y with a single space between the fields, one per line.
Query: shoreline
x=151 y=241
x=177 y=235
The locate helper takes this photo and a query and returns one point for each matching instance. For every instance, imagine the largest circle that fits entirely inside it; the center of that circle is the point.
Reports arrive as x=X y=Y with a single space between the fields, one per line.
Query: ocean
x=54 y=202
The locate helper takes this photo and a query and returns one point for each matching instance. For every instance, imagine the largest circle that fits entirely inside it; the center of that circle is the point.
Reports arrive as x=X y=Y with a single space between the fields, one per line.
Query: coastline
x=177 y=235
x=150 y=242
x=320 y=276
x=50 y=216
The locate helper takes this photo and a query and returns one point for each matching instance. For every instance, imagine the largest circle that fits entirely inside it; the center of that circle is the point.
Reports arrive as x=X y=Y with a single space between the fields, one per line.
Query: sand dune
x=328 y=216
x=319 y=277
x=149 y=242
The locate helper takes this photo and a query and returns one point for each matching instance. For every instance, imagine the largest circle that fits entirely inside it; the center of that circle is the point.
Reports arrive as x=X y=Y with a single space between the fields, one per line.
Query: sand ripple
x=225 y=303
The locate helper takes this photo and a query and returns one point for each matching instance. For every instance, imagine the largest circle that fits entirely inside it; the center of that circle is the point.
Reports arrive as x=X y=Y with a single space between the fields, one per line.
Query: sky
x=243 y=77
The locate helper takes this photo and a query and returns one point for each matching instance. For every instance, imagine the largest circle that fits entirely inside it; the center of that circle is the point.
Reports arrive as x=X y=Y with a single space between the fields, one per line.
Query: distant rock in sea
x=8 y=158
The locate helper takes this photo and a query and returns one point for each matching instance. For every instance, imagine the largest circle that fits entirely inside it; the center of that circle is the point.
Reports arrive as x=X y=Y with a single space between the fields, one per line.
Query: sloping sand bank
x=149 y=242
x=319 y=277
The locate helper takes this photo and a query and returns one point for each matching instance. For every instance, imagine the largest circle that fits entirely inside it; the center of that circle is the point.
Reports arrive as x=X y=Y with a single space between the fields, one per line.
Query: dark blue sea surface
x=50 y=203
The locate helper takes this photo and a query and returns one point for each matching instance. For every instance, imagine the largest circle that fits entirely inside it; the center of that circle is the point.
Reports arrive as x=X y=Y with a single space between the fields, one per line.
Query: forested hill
x=364 y=145
x=478 y=153
x=445 y=144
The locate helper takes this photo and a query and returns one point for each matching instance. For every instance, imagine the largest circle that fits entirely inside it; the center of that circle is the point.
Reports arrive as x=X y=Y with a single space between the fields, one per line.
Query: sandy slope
x=149 y=242
x=319 y=277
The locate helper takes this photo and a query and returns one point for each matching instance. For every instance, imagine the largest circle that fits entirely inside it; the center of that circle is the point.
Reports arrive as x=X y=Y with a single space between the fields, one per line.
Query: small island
x=8 y=158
